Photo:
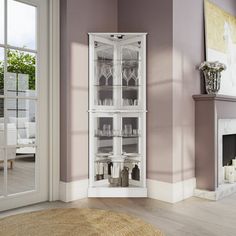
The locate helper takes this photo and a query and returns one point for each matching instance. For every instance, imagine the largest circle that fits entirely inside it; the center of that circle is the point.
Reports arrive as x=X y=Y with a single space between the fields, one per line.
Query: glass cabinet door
x=103 y=146
x=103 y=74
x=131 y=68
x=131 y=147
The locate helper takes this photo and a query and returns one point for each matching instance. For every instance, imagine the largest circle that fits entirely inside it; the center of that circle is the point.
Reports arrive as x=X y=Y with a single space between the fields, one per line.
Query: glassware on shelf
x=99 y=171
x=114 y=179
x=105 y=73
x=105 y=102
x=130 y=102
x=130 y=76
x=107 y=130
x=135 y=102
x=135 y=132
x=127 y=130
x=115 y=133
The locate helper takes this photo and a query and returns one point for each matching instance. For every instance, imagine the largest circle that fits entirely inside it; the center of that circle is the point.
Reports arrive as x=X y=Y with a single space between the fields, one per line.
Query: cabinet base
x=117 y=192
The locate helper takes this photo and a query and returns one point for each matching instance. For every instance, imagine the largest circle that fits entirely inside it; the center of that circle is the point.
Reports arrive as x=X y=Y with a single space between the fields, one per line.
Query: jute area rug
x=75 y=221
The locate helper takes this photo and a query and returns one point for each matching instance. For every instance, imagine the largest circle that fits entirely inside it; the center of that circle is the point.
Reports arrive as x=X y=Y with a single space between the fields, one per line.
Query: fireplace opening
x=229 y=149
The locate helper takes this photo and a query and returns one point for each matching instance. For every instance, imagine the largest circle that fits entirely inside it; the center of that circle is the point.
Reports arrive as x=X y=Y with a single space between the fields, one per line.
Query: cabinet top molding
x=117 y=33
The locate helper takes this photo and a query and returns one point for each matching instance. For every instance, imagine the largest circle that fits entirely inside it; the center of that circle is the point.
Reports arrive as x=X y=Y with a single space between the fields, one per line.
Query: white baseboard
x=168 y=192
x=117 y=192
x=171 y=192
x=222 y=191
x=72 y=191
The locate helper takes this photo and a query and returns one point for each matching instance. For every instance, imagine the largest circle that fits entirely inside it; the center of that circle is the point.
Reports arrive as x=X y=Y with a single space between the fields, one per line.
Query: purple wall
x=188 y=53
x=155 y=18
x=78 y=17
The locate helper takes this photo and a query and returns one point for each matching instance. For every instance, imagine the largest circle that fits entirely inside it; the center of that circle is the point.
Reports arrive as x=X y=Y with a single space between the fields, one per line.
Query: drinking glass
x=128 y=130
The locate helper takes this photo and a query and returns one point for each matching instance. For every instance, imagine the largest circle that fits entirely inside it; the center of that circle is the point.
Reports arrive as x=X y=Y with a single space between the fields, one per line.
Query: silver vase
x=212 y=81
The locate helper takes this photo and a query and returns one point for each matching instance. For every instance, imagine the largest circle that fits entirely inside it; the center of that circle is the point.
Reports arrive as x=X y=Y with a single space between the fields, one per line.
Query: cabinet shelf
x=125 y=160
x=117 y=136
x=102 y=60
x=110 y=87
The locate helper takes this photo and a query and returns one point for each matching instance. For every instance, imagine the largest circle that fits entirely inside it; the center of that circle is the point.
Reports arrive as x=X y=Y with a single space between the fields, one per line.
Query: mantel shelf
x=217 y=97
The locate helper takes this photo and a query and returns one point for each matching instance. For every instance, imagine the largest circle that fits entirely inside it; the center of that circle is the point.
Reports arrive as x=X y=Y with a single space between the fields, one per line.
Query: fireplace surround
x=215 y=121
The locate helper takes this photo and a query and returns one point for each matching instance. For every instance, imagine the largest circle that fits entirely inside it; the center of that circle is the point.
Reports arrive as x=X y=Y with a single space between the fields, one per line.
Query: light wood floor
x=192 y=217
x=20 y=178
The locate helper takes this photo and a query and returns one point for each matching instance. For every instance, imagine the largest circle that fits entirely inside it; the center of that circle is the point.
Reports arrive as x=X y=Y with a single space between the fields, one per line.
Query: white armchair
x=11 y=140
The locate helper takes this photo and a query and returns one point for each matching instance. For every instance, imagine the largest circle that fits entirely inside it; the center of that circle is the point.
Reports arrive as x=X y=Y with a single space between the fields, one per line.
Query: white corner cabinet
x=117 y=115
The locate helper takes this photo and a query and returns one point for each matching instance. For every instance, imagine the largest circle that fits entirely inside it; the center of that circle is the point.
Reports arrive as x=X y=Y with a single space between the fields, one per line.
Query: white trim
x=54 y=100
x=117 y=192
x=168 y=192
x=171 y=192
x=40 y=192
x=222 y=191
x=118 y=33
x=71 y=191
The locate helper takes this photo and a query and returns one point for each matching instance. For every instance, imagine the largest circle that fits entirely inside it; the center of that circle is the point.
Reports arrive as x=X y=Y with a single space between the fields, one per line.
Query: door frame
x=46 y=70
x=53 y=75
x=54 y=99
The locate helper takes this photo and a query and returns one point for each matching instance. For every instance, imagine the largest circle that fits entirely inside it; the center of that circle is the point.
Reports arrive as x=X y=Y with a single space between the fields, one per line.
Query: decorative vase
x=135 y=173
x=212 y=81
x=212 y=74
x=110 y=164
x=125 y=177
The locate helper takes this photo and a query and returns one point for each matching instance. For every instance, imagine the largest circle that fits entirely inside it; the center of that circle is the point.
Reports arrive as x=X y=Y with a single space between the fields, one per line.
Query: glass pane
x=21 y=169
x=2 y=158
x=103 y=74
x=21 y=26
x=21 y=76
x=1 y=71
x=131 y=74
x=130 y=147
x=1 y=99
x=131 y=132
x=2 y=8
x=21 y=127
x=2 y=127
x=104 y=146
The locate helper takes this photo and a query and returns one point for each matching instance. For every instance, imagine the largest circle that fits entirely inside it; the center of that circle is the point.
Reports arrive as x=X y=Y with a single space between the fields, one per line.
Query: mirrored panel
x=21 y=74
x=21 y=127
x=103 y=74
x=2 y=158
x=2 y=22
x=21 y=28
x=21 y=169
